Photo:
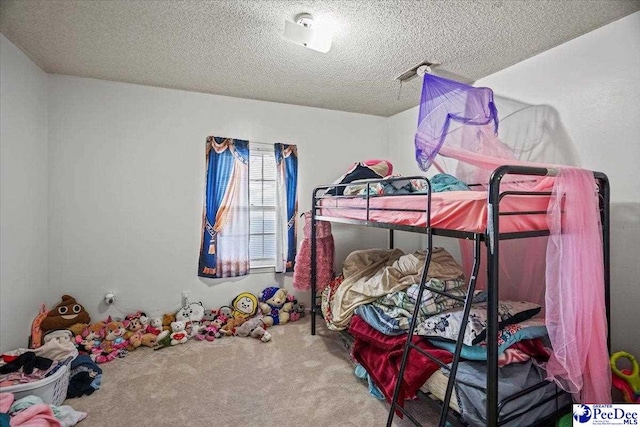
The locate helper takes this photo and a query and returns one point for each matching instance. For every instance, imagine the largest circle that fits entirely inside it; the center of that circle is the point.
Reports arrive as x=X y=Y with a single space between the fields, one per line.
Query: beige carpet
x=295 y=380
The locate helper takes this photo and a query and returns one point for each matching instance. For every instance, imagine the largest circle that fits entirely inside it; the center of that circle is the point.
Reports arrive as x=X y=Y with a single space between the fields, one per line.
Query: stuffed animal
x=144 y=320
x=208 y=317
x=155 y=326
x=254 y=327
x=275 y=306
x=149 y=340
x=114 y=333
x=226 y=311
x=114 y=342
x=230 y=326
x=297 y=310
x=188 y=328
x=77 y=328
x=209 y=333
x=213 y=330
x=244 y=305
x=167 y=319
x=35 y=339
x=92 y=337
x=192 y=315
x=137 y=315
x=134 y=331
x=201 y=335
x=218 y=323
x=65 y=314
x=178 y=334
x=163 y=339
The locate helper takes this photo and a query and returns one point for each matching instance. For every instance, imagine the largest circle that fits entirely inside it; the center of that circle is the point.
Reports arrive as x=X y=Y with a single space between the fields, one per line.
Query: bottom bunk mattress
x=436 y=386
x=469 y=395
x=380 y=356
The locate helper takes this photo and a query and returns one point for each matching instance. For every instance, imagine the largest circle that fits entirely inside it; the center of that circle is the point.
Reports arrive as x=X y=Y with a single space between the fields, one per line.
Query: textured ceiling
x=234 y=47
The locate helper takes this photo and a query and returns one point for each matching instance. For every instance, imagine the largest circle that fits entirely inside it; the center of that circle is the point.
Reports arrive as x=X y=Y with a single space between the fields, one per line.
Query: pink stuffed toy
x=91 y=338
x=212 y=331
x=114 y=342
x=297 y=310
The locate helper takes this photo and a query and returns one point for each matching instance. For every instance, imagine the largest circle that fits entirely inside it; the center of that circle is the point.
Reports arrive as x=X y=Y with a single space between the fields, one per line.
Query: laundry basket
x=52 y=390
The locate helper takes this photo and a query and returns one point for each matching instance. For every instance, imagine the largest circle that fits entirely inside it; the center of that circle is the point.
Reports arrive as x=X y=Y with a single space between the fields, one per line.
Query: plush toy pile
x=103 y=341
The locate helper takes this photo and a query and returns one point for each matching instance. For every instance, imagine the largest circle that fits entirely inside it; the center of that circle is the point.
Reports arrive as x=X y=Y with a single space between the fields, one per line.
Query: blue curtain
x=225 y=202
x=287 y=184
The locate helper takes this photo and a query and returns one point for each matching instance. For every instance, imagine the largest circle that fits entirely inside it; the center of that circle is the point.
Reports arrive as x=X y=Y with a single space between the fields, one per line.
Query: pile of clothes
x=32 y=411
x=27 y=365
x=24 y=366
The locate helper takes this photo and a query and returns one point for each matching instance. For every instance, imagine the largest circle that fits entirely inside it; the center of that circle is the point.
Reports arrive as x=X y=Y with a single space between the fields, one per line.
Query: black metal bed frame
x=491 y=238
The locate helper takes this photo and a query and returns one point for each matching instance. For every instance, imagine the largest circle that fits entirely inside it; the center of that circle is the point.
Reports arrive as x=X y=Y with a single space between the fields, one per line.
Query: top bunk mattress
x=451 y=210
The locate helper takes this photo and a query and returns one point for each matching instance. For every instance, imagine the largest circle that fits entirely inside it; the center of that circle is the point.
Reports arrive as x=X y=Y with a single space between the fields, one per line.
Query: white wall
x=594 y=84
x=127 y=181
x=24 y=258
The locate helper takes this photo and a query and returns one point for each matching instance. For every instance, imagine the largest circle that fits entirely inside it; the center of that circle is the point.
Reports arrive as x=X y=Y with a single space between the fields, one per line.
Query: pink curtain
x=575 y=304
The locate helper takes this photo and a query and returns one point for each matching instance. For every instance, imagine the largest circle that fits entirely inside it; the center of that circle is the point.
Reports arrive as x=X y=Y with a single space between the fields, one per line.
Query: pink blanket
x=39 y=415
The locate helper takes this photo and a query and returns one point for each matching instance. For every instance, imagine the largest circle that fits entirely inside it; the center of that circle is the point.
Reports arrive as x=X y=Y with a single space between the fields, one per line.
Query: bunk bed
x=485 y=218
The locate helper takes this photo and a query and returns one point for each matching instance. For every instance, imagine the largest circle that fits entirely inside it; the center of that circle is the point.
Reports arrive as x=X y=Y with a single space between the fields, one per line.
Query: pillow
x=370 y=169
x=511 y=334
x=447 y=324
x=358 y=189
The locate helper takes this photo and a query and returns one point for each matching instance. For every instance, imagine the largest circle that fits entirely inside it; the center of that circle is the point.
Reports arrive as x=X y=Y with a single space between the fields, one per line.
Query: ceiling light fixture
x=305 y=32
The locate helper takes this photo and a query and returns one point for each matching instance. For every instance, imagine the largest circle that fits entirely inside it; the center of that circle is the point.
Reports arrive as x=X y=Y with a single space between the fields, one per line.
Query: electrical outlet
x=185 y=298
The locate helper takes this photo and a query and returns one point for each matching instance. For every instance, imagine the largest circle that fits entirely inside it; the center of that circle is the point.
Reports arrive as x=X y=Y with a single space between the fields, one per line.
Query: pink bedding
x=451 y=210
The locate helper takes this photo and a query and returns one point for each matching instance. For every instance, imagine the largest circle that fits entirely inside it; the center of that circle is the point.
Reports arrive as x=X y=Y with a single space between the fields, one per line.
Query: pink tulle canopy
x=458 y=134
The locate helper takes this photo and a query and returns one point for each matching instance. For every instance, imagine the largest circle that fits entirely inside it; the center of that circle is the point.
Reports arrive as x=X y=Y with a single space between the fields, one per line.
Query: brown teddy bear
x=167 y=319
x=149 y=340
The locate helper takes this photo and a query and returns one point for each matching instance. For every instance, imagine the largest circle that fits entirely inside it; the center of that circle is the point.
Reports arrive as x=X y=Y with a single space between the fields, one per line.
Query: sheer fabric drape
x=458 y=134
x=286 y=205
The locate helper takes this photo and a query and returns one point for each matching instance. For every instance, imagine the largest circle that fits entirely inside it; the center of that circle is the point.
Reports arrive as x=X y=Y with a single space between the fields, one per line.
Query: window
x=249 y=213
x=262 y=206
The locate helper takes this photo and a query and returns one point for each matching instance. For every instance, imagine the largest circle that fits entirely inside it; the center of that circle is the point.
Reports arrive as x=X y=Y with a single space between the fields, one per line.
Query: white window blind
x=262 y=202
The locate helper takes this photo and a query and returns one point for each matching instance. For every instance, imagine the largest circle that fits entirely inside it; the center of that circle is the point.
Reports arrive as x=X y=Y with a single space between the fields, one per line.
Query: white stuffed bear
x=192 y=314
x=154 y=326
x=178 y=334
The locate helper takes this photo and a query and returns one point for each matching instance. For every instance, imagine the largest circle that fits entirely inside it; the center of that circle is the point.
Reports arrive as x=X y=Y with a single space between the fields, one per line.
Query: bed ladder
x=409 y=345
